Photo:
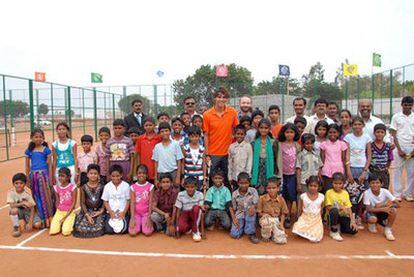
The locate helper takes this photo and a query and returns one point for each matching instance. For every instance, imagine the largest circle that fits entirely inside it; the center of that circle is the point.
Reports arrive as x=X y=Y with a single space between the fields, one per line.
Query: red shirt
x=144 y=148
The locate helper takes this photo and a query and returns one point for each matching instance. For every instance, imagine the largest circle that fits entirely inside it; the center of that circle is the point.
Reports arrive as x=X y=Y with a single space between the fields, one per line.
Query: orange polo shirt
x=220 y=130
x=276 y=130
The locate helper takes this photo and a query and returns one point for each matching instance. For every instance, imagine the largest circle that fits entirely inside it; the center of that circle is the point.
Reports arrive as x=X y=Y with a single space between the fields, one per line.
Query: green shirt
x=218 y=197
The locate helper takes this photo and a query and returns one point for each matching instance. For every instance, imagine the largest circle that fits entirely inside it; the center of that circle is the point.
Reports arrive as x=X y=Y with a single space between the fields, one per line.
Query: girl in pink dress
x=141 y=197
x=333 y=155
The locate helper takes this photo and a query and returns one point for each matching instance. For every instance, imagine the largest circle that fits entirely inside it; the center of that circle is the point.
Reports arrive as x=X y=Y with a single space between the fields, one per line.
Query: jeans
x=222 y=215
x=344 y=222
x=247 y=226
x=222 y=163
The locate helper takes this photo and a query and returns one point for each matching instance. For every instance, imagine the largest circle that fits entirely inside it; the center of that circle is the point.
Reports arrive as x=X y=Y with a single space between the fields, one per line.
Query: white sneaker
x=372 y=227
x=336 y=236
x=388 y=234
x=398 y=199
x=409 y=198
x=196 y=237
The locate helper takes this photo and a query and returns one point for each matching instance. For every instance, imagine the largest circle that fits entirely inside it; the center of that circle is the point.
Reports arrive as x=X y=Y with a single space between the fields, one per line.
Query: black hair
x=136 y=101
x=407 y=100
x=175 y=119
x=164 y=125
x=240 y=127
x=306 y=136
x=134 y=130
x=299 y=99
x=273 y=180
x=300 y=119
x=346 y=111
x=194 y=130
x=256 y=113
x=188 y=97
x=190 y=180
x=336 y=127
x=149 y=119
x=321 y=101
x=374 y=176
x=356 y=119
x=245 y=118
x=313 y=179
x=118 y=122
x=19 y=177
x=65 y=171
x=274 y=107
x=243 y=176
x=165 y=175
x=287 y=126
x=87 y=138
x=104 y=130
x=380 y=126
x=64 y=124
x=116 y=168
x=261 y=122
x=142 y=167
x=218 y=172
x=94 y=167
x=35 y=131
x=321 y=123
x=162 y=114
x=184 y=113
x=196 y=116
x=338 y=176
x=333 y=103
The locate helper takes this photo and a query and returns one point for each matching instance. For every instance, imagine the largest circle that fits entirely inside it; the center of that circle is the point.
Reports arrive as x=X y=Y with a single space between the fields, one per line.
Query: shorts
x=381 y=217
x=289 y=188
x=24 y=214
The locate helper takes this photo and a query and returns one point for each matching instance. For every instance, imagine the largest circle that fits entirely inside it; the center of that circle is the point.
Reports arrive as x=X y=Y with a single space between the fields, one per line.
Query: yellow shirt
x=338 y=199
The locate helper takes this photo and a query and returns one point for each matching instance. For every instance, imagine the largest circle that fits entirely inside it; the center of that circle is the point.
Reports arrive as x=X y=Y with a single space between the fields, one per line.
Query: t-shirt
x=65 y=196
x=193 y=161
x=167 y=156
x=13 y=197
x=381 y=156
x=85 y=159
x=333 y=157
x=288 y=157
x=357 y=148
x=338 y=199
x=312 y=207
x=100 y=153
x=64 y=153
x=144 y=147
x=117 y=196
x=372 y=200
x=119 y=149
x=142 y=196
x=38 y=158
x=309 y=163
x=404 y=126
x=218 y=197
x=186 y=202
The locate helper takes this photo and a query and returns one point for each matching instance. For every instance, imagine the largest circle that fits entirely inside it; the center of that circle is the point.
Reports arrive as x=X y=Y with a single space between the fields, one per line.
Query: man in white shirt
x=190 y=105
x=364 y=108
x=402 y=130
x=320 y=114
x=299 y=106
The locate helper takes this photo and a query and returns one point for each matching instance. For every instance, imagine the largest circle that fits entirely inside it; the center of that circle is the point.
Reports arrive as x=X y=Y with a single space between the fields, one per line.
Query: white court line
x=389 y=253
x=30 y=238
x=207 y=256
x=3 y=207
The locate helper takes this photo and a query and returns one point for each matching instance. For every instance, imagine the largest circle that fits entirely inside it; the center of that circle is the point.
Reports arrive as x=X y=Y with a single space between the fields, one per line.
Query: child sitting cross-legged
x=380 y=206
x=243 y=209
x=272 y=210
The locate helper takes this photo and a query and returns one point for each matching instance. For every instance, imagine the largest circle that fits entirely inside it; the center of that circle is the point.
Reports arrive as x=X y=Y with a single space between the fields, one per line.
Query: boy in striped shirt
x=194 y=158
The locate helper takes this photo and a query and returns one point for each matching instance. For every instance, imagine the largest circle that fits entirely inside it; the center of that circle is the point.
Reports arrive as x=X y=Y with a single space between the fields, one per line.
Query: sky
x=129 y=41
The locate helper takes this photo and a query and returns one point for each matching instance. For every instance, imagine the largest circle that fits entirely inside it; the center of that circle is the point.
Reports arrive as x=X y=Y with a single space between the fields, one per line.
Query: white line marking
x=389 y=253
x=3 y=207
x=31 y=237
x=207 y=256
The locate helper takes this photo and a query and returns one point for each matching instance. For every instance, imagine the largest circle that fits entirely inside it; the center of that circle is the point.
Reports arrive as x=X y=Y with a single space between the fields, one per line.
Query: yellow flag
x=350 y=69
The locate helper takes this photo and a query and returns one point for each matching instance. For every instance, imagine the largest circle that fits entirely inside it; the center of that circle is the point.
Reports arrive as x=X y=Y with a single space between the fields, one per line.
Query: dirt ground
x=363 y=255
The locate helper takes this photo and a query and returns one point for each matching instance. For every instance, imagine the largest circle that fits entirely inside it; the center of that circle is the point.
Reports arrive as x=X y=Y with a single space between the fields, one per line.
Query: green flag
x=96 y=78
x=376 y=59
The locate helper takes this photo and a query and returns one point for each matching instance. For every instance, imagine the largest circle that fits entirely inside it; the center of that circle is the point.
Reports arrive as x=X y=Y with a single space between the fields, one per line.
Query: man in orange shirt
x=218 y=124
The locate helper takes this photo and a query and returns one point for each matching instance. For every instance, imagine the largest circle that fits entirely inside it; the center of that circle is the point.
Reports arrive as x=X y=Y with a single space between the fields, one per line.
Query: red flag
x=222 y=70
x=40 y=77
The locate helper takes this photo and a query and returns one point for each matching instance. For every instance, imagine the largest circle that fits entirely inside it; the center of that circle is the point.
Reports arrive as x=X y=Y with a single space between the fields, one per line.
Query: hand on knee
x=372 y=219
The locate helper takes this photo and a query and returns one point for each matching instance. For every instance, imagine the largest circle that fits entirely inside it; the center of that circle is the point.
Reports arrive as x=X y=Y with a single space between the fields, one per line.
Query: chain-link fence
x=26 y=104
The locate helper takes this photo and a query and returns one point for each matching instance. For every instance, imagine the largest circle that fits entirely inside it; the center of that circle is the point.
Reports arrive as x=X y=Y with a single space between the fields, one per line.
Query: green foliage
x=278 y=86
x=43 y=109
x=17 y=107
x=125 y=104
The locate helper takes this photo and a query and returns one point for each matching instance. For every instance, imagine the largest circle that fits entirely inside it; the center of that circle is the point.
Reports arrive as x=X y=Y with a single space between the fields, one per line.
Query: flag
x=222 y=70
x=350 y=69
x=40 y=77
x=160 y=73
x=96 y=78
x=284 y=70
x=376 y=59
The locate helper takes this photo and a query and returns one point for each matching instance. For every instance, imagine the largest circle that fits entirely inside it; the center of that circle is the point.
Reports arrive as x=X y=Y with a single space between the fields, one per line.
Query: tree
x=16 y=107
x=278 y=86
x=43 y=109
x=125 y=104
x=203 y=82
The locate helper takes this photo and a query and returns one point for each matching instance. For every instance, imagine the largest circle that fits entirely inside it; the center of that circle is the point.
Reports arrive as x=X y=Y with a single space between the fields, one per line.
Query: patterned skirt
x=83 y=229
x=262 y=177
x=43 y=193
x=309 y=226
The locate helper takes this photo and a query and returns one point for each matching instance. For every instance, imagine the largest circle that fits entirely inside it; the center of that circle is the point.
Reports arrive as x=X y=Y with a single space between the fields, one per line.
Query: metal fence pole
x=31 y=107
x=391 y=96
x=83 y=110
x=358 y=89
x=95 y=114
x=155 y=100
x=11 y=109
x=104 y=95
x=5 y=118
x=113 y=106
x=69 y=111
x=53 y=112
x=124 y=91
x=37 y=107
x=346 y=94
x=372 y=93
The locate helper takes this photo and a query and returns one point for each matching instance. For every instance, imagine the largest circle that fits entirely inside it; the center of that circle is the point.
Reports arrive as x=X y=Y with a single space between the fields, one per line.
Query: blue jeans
x=247 y=226
x=221 y=215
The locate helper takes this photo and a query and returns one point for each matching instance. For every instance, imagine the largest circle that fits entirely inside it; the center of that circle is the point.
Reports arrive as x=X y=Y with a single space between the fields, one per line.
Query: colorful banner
x=40 y=77
x=284 y=70
x=222 y=70
x=96 y=78
x=350 y=69
x=376 y=59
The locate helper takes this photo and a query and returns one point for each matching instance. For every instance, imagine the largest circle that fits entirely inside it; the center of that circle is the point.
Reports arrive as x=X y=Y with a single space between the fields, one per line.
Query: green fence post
x=31 y=106
x=104 y=94
x=358 y=89
x=113 y=106
x=282 y=90
x=155 y=100
x=37 y=107
x=69 y=111
x=391 y=85
x=372 y=93
x=346 y=94
x=124 y=91
x=95 y=114
x=53 y=112
x=5 y=118
x=83 y=111
x=11 y=109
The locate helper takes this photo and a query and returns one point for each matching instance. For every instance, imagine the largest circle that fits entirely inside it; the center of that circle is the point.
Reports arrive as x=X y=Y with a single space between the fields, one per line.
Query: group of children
x=278 y=178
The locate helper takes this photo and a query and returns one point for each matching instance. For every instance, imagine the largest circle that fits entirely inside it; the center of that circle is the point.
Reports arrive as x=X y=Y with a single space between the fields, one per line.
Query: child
x=22 y=206
x=178 y=133
x=321 y=132
x=381 y=155
x=163 y=205
x=120 y=150
x=380 y=207
x=243 y=209
x=308 y=163
x=186 y=120
x=39 y=170
x=265 y=159
x=145 y=145
x=116 y=197
x=167 y=155
x=217 y=202
x=163 y=117
x=197 y=120
x=309 y=224
x=272 y=210
x=133 y=134
x=194 y=158
x=246 y=121
x=338 y=207
x=240 y=156
x=289 y=149
x=86 y=158
x=345 y=118
x=90 y=221
x=257 y=116
x=104 y=135
x=64 y=153
x=333 y=155
x=300 y=123
x=141 y=198
x=66 y=196
x=187 y=209
x=274 y=114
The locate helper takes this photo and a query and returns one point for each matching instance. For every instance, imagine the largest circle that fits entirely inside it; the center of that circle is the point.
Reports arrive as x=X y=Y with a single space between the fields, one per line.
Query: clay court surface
x=37 y=253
